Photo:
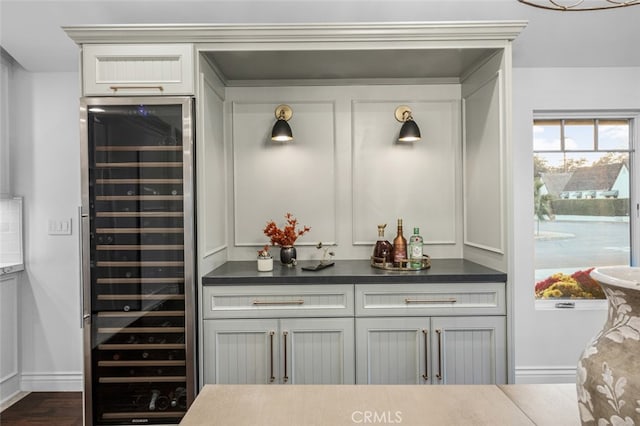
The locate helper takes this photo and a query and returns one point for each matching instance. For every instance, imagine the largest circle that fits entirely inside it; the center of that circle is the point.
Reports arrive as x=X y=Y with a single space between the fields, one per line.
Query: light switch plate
x=60 y=226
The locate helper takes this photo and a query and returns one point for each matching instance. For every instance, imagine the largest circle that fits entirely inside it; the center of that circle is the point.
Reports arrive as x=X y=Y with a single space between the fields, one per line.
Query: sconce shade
x=281 y=130
x=409 y=132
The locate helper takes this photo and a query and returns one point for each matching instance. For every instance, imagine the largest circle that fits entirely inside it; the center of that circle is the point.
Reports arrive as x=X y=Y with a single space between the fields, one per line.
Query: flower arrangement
x=578 y=285
x=286 y=236
x=264 y=252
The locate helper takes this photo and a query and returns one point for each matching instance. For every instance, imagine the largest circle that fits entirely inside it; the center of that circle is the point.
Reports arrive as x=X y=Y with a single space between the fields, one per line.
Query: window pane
x=581 y=210
x=613 y=134
x=546 y=135
x=579 y=135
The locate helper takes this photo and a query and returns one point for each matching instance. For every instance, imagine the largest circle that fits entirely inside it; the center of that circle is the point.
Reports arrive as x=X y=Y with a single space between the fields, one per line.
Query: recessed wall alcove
x=345 y=172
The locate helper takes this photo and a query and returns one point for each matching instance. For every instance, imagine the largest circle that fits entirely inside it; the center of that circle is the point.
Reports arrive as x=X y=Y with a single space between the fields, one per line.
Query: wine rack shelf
x=141 y=148
x=158 y=164
x=143 y=379
x=137 y=414
x=156 y=363
x=139 y=346
x=137 y=314
x=113 y=330
x=139 y=230
x=139 y=214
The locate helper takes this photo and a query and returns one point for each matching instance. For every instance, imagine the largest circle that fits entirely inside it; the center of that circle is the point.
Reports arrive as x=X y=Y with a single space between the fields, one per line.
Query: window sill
x=9 y=268
x=578 y=304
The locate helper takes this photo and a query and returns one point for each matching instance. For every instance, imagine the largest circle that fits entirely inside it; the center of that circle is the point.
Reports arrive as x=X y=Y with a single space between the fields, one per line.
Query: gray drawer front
x=274 y=301
x=430 y=299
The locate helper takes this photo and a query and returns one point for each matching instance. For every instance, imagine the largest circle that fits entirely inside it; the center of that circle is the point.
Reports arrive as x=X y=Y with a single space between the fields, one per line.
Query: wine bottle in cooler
x=399 y=246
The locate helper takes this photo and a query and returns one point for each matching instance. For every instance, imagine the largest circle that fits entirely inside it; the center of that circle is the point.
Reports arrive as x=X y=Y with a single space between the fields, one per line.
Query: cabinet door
x=392 y=350
x=317 y=351
x=469 y=350
x=137 y=69
x=241 y=351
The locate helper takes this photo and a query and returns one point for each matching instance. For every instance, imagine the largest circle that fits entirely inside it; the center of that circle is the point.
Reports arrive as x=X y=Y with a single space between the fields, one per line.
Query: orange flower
x=286 y=236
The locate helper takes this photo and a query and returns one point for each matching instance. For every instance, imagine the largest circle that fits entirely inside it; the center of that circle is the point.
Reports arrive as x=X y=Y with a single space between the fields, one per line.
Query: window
x=582 y=202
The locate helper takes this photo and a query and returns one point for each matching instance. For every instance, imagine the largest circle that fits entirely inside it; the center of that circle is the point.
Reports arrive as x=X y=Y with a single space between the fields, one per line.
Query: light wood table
x=555 y=404
x=323 y=405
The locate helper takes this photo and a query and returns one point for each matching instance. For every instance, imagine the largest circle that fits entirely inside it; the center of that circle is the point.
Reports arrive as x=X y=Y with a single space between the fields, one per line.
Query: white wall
x=45 y=171
x=549 y=342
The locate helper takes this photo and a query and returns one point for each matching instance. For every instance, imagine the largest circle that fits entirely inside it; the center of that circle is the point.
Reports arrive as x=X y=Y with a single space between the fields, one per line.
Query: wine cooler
x=137 y=259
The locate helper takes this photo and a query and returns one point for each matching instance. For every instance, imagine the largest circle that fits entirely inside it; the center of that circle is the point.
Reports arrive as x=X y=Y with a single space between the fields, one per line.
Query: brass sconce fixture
x=281 y=130
x=409 y=132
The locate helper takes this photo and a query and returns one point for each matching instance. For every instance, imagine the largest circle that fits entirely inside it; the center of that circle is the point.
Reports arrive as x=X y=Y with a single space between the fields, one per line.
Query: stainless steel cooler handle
x=83 y=220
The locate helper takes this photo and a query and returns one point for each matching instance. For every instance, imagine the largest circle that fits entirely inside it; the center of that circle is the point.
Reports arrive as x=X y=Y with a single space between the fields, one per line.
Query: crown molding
x=233 y=34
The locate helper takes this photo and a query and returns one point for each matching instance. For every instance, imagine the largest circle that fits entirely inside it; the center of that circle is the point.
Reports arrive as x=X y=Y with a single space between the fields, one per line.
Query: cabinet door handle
x=272 y=378
x=279 y=302
x=449 y=300
x=425 y=332
x=439 y=375
x=116 y=88
x=285 y=378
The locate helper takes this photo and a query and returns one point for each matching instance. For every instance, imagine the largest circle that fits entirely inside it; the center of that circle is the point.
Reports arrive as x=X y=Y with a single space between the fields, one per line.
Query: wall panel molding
x=418 y=181
x=483 y=166
x=272 y=178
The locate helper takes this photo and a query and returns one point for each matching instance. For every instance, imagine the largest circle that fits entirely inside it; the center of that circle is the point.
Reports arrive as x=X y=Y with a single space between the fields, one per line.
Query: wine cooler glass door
x=138 y=199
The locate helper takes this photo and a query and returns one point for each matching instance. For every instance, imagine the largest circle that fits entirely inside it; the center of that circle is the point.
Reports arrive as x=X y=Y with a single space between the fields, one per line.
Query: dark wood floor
x=45 y=408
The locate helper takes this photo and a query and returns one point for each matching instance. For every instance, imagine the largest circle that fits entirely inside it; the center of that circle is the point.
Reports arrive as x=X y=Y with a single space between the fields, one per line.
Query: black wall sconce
x=409 y=132
x=281 y=130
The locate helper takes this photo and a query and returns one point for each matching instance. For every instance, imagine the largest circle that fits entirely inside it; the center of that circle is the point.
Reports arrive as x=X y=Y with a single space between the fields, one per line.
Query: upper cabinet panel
x=140 y=69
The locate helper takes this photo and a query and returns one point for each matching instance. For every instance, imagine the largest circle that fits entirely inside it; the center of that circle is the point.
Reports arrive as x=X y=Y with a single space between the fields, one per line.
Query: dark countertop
x=351 y=272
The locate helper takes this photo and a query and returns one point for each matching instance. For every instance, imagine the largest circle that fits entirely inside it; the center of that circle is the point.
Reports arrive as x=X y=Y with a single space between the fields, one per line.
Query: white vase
x=265 y=264
x=608 y=373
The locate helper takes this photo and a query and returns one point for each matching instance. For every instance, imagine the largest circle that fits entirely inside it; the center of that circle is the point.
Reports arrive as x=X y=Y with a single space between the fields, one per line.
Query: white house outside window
x=582 y=202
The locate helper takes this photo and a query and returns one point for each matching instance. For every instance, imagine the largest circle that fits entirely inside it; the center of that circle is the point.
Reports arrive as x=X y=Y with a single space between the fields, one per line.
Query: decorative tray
x=378 y=262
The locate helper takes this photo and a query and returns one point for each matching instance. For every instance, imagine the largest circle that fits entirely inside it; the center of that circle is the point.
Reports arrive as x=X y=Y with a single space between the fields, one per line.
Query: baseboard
x=51 y=382
x=9 y=388
x=12 y=400
x=541 y=375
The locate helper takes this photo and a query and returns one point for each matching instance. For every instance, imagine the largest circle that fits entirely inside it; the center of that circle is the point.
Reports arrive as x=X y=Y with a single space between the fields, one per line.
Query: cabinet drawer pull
x=279 y=302
x=272 y=378
x=285 y=378
x=116 y=88
x=439 y=333
x=425 y=332
x=449 y=300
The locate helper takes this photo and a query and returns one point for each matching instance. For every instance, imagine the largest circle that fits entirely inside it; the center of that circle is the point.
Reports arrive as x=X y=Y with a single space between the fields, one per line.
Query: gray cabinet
x=138 y=69
x=438 y=350
x=436 y=334
x=279 y=334
x=279 y=351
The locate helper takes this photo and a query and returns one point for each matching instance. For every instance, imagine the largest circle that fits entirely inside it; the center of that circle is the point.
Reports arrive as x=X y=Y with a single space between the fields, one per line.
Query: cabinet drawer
x=273 y=301
x=430 y=299
x=126 y=70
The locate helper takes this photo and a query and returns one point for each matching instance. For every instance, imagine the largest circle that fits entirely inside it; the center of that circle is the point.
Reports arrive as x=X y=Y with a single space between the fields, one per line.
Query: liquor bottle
x=415 y=249
x=399 y=246
x=383 y=250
